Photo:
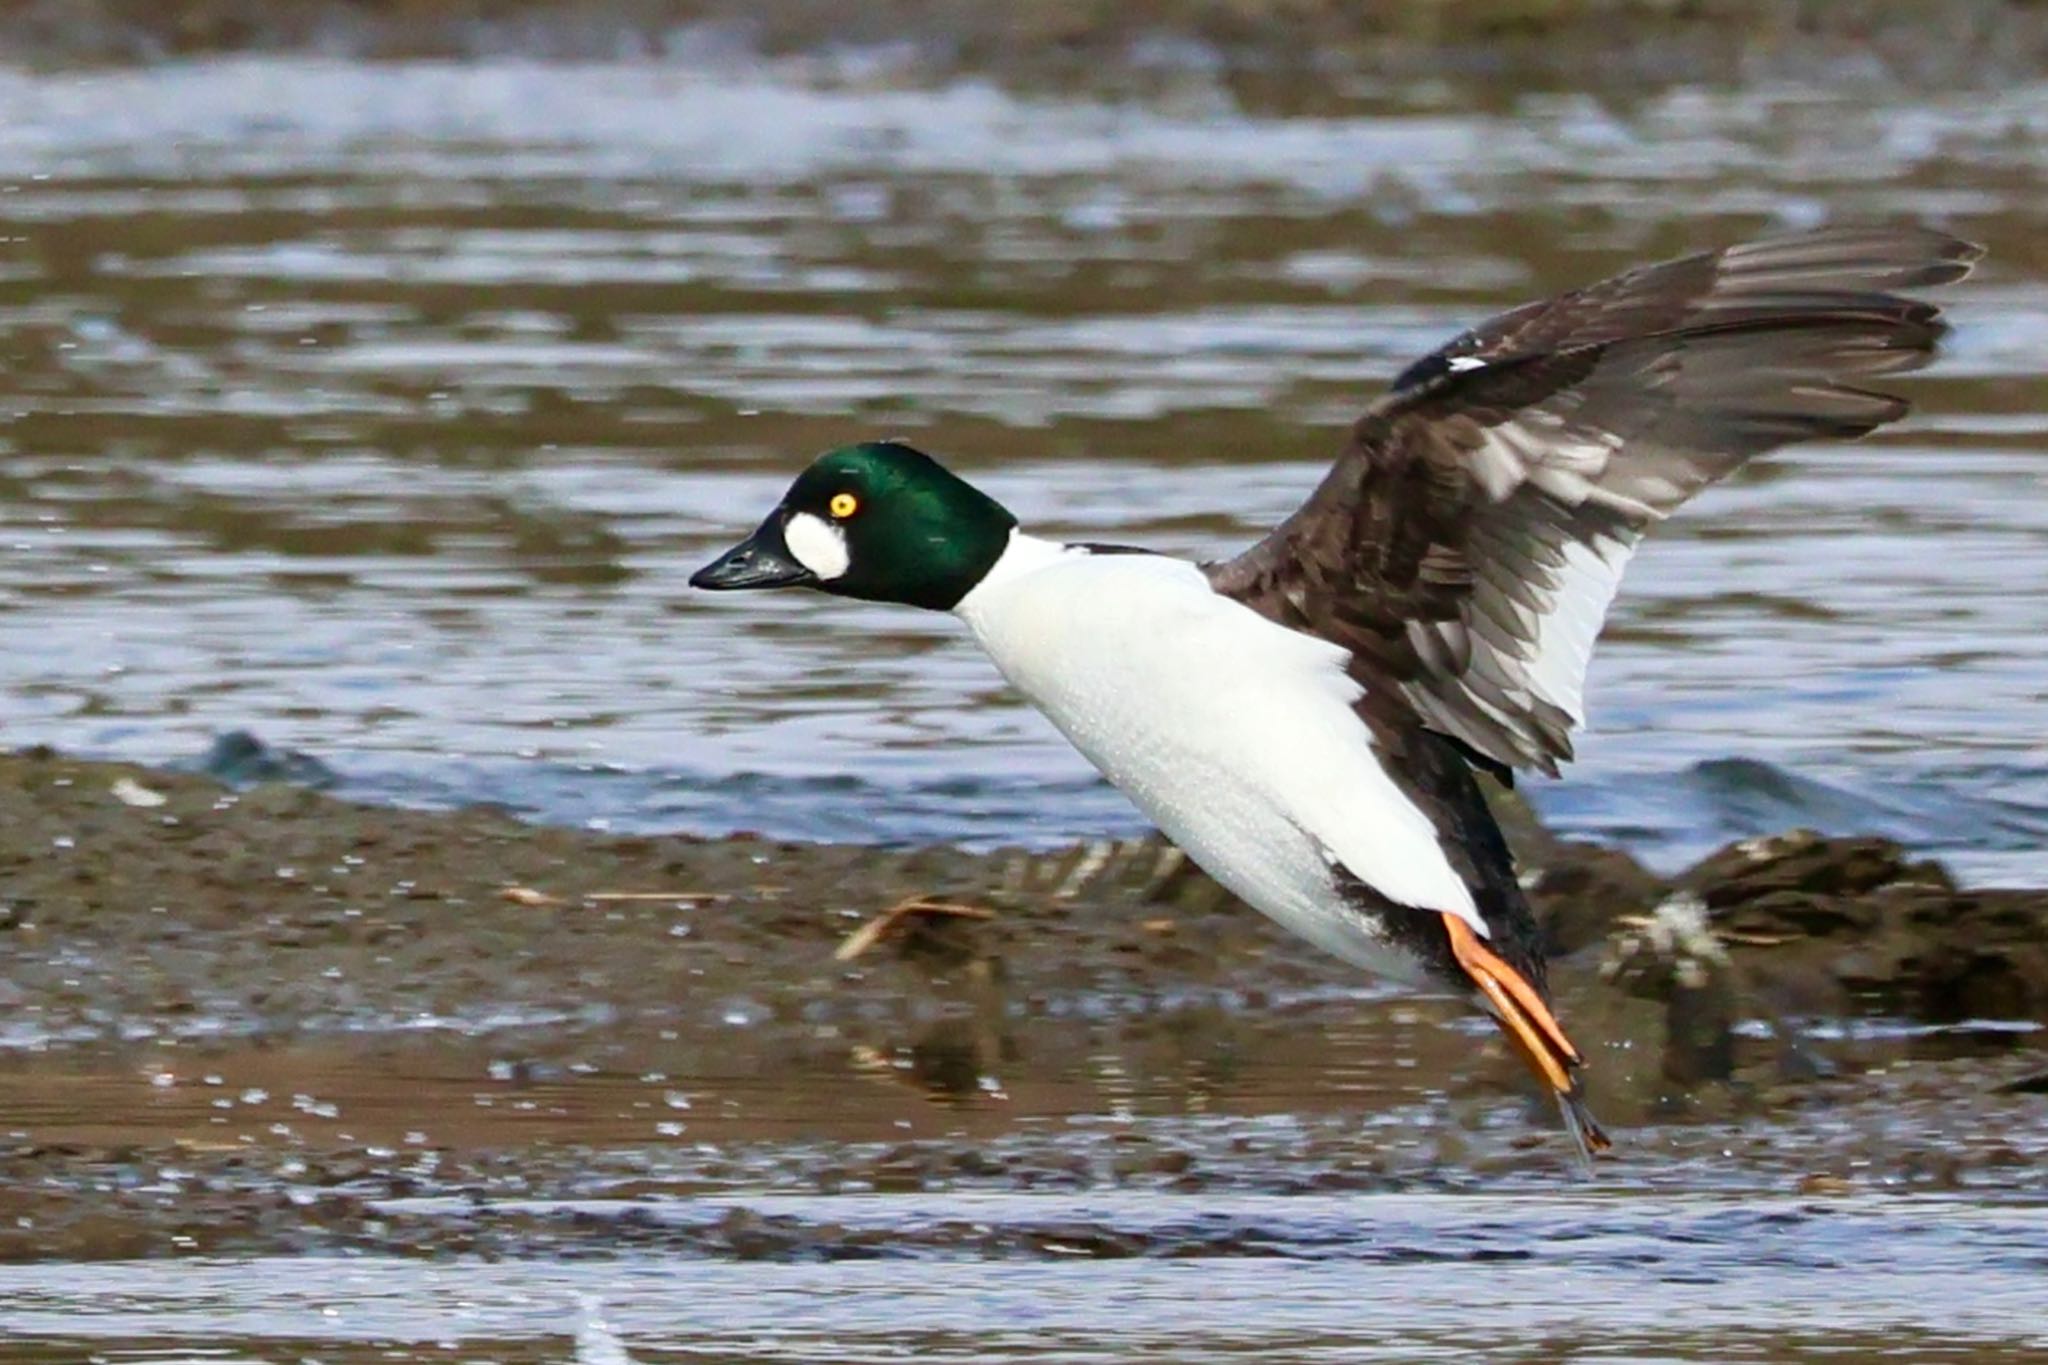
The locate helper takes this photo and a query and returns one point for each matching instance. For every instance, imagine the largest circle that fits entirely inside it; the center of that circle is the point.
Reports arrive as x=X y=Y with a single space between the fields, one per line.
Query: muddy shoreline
x=247 y=1020
x=1269 y=54
x=274 y=908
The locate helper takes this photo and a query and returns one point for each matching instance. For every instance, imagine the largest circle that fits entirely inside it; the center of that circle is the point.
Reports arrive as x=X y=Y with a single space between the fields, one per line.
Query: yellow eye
x=843 y=505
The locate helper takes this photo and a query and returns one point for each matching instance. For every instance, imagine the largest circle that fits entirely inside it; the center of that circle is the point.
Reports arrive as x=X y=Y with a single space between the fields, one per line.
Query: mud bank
x=1263 y=49
x=250 y=1020
x=275 y=909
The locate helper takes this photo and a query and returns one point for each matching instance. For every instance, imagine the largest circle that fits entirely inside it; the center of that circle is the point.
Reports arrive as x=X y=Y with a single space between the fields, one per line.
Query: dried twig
x=882 y=925
x=526 y=895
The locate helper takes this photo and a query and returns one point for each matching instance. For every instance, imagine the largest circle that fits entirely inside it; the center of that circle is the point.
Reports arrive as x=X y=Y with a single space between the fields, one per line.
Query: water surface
x=384 y=412
x=1430 y=1281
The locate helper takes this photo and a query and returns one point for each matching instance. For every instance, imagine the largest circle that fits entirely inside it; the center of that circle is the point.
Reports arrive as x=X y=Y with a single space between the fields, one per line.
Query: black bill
x=762 y=560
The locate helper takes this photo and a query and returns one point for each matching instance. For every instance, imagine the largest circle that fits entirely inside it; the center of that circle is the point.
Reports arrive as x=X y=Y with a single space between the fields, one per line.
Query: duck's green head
x=878 y=521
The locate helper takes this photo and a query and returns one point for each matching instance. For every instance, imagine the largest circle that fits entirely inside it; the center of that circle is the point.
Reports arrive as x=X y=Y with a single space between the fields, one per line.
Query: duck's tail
x=1532 y=1031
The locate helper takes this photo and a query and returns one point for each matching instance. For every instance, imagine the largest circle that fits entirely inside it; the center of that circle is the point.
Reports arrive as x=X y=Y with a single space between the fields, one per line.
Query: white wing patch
x=1565 y=634
x=1538 y=448
x=817 y=544
x=1539 y=454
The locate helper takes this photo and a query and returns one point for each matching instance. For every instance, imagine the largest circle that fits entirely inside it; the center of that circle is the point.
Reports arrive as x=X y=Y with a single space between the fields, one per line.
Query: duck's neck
x=1025 y=554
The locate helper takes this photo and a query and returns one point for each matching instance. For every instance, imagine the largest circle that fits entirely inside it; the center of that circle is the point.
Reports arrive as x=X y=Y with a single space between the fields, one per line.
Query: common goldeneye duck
x=1305 y=720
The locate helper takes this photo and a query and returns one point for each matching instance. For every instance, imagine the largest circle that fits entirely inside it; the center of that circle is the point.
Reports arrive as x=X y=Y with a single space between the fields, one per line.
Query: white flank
x=1234 y=734
x=817 y=544
x=1565 y=633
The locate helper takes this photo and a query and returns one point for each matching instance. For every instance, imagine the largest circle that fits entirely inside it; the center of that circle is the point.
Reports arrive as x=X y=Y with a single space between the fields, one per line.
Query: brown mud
x=249 y=1021
x=1299 y=53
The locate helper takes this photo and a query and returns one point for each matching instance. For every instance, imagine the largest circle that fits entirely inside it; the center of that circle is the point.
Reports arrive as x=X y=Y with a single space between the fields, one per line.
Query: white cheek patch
x=817 y=544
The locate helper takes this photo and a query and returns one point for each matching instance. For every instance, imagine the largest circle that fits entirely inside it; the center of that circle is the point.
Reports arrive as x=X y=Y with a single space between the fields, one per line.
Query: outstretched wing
x=1466 y=544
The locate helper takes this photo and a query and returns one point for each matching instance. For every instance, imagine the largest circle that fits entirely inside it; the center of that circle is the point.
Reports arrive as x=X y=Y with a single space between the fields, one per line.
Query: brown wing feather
x=1466 y=543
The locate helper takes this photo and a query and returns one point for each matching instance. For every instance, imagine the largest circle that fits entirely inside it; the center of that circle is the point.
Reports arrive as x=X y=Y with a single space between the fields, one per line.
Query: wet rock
x=1580 y=890
x=1833 y=925
x=1802 y=881
x=241 y=759
x=1951 y=956
x=1786 y=928
x=750 y=1236
x=975 y=1163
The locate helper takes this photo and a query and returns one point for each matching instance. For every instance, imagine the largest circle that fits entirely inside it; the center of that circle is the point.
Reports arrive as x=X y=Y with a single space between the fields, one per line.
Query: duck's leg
x=1531 y=1028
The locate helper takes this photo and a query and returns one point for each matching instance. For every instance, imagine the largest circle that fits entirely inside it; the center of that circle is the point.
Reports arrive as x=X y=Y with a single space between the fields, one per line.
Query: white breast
x=1233 y=734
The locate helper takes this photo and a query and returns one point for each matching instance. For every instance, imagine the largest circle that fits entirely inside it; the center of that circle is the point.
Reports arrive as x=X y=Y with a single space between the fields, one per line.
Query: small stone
x=129 y=792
